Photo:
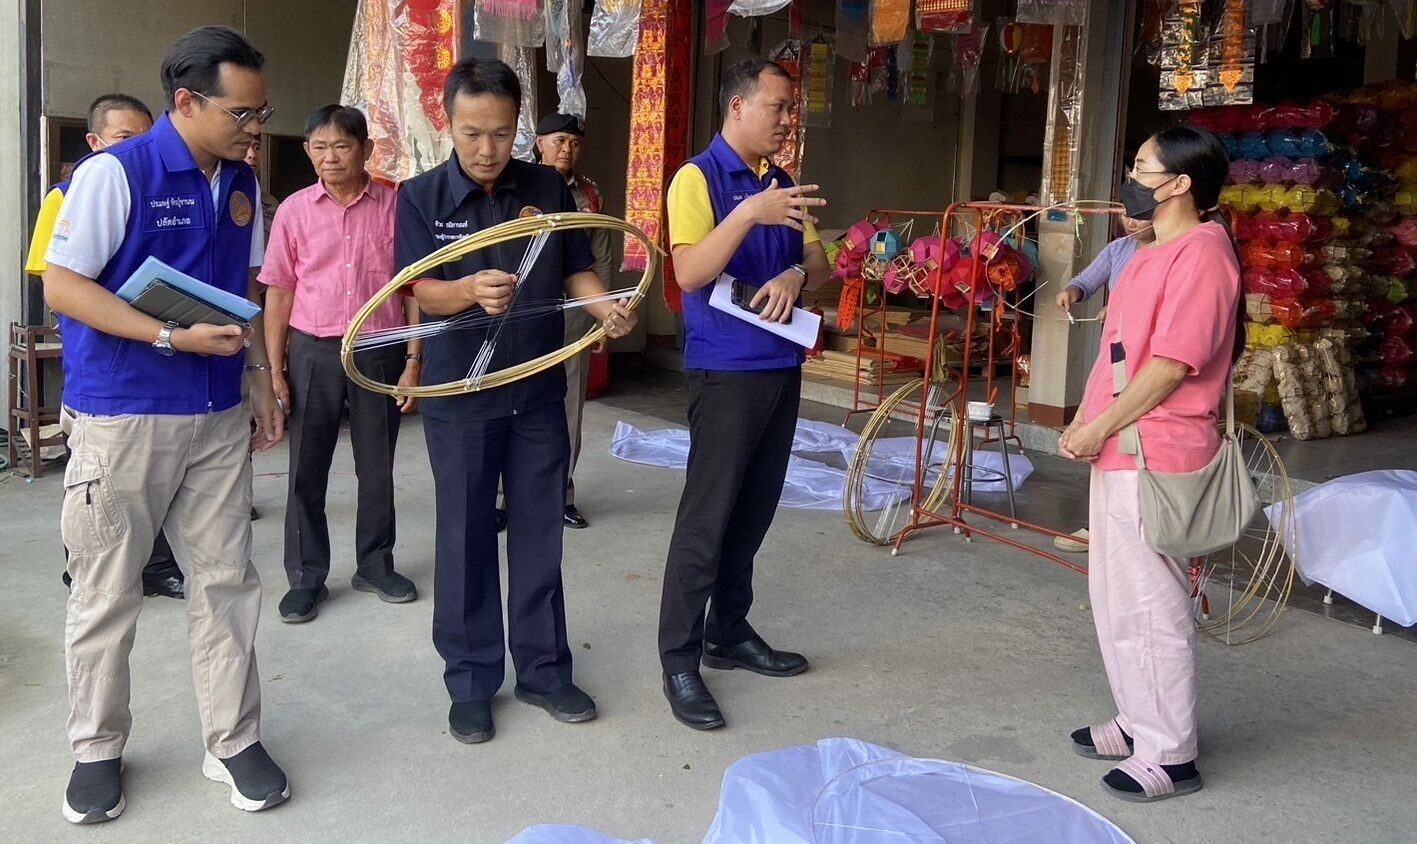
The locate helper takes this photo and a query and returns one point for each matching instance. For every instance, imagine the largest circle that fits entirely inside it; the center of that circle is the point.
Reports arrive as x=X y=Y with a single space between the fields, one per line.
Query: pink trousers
x=1142 y=608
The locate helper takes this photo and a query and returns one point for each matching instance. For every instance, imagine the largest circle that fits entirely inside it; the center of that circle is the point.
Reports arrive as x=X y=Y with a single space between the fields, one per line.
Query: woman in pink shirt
x=1173 y=322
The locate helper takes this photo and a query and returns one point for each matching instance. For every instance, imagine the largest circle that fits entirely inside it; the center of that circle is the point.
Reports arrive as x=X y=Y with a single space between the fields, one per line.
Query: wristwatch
x=416 y=358
x=163 y=343
x=801 y=269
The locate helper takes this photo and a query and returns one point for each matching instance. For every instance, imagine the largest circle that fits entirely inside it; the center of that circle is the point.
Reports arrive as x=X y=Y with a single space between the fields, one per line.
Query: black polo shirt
x=444 y=205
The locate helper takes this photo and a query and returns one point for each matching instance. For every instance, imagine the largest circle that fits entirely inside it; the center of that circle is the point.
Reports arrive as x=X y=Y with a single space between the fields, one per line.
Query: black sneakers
x=470 y=721
x=256 y=781
x=568 y=703
x=95 y=792
x=299 y=605
x=392 y=588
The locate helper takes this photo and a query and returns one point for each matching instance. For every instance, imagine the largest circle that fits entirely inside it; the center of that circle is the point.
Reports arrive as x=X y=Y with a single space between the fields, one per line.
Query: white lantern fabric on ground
x=1356 y=536
x=846 y=791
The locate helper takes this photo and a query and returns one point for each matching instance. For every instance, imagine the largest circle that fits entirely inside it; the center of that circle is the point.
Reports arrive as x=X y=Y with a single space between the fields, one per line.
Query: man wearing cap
x=559 y=141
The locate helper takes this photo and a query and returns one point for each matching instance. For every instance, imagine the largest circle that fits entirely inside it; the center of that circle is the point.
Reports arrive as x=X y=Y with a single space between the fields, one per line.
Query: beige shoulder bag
x=1191 y=514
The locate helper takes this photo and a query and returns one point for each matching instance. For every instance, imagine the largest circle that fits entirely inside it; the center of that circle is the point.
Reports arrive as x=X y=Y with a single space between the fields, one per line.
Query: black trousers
x=319 y=393
x=741 y=426
x=529 y=453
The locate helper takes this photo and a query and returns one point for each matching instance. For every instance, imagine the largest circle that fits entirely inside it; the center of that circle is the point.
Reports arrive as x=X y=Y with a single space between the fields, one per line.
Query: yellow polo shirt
x=43 y=232
x=690 y=212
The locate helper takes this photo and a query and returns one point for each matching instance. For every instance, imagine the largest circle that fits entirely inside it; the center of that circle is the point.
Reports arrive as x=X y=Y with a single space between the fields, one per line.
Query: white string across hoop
x=538 y=228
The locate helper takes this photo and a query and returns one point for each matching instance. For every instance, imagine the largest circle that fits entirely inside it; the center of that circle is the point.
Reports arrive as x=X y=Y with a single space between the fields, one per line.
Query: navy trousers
x=529 y=452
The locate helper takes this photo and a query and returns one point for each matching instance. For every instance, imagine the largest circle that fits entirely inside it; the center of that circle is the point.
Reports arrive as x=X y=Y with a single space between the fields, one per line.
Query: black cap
x=553 y=123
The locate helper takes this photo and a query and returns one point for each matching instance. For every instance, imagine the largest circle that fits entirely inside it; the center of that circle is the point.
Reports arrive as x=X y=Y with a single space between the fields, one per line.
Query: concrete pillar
x=1081 y=154
x=19 y=164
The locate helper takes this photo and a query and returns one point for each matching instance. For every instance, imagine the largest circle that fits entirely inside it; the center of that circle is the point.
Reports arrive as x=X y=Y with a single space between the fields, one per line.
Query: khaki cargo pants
x=128 y=477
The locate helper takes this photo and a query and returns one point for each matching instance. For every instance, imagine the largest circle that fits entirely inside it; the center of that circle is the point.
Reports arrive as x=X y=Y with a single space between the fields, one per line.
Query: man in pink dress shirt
x=331 y=249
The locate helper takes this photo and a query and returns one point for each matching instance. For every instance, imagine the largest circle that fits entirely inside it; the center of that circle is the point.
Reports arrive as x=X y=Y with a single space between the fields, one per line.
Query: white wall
x=14 y=228
x=119 y=47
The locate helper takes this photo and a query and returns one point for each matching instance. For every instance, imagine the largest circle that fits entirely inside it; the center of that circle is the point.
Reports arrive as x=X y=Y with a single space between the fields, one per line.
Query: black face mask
x=1138 y=200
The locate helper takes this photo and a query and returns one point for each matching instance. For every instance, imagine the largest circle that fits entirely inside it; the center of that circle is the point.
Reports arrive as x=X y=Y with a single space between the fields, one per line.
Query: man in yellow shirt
x=112 y=118
x=731 y=212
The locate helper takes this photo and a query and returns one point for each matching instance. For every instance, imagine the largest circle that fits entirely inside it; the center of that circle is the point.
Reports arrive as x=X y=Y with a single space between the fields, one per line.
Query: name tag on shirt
x=733 y=198
x=171 y=212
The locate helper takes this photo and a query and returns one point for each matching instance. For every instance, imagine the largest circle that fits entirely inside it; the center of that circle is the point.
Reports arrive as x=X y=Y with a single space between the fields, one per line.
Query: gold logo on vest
x=529 y=211
x=240 y=207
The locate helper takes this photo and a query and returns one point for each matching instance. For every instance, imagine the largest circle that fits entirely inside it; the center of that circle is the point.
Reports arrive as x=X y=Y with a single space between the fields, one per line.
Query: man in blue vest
x=160 y=434
x=731 y=211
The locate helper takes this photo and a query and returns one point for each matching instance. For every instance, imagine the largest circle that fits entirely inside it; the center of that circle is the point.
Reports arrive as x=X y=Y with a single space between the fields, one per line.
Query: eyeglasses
x=1132 y=173
x=244 y=116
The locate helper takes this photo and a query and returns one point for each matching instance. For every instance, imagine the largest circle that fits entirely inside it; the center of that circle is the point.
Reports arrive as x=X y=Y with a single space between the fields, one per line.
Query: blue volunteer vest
x=172 y=218
x=714 y=340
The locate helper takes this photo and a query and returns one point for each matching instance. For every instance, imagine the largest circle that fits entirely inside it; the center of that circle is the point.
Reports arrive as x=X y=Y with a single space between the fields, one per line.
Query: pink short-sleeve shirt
x=1175 y=300
x=334 y=257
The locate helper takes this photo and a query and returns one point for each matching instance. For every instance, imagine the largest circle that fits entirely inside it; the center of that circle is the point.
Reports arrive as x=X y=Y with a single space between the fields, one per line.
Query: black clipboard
x=162 y=301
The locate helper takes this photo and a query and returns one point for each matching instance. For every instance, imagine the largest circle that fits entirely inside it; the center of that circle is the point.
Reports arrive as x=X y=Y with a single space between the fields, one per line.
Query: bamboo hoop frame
x=500 y=233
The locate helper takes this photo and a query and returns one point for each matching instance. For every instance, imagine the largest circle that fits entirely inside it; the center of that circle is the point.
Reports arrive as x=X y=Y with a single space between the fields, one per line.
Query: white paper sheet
x=802 y=330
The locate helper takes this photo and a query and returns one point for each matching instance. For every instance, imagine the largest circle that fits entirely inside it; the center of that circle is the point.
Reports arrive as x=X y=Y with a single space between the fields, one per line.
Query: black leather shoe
x=95 y=792
x=691 y=702
x=392 y=588
x=256 y=781
x=756 y=656
x=501 y=519
x=300 y=605
x=574 y=519
x=167 y=587
x=568 y=704
x=470 y=721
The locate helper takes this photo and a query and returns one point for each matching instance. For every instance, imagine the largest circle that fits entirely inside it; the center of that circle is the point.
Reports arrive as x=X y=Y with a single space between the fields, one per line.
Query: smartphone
x=743 y=294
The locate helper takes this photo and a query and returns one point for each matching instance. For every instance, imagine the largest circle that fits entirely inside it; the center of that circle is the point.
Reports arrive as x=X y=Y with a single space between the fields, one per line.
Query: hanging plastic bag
x=968 y=51
x=817 y=83
x=852 y=18
x=614 y=29
x=565 y=55
x=716 y=26
x=944 y=17
x=514 y=23
x=523 y=63
x=890 y=21
x=757 y=8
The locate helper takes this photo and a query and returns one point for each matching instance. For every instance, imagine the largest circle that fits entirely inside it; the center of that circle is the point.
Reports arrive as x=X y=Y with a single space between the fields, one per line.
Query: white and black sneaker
x=256 y=781
x=95 y=792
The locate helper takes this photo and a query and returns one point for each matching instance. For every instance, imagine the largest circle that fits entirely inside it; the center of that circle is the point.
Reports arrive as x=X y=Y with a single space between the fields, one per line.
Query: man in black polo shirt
x=515 y=433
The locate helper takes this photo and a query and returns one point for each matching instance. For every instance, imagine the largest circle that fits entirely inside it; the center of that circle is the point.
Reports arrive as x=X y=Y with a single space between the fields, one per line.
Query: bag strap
x=1130 y=436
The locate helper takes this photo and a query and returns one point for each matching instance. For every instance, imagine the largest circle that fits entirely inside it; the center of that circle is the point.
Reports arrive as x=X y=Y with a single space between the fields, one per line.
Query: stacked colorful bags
x=1388 y=138
x=1291 y=195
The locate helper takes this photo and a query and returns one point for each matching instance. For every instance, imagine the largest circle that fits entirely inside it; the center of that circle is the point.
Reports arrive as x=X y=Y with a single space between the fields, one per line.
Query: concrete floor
x=970 y=652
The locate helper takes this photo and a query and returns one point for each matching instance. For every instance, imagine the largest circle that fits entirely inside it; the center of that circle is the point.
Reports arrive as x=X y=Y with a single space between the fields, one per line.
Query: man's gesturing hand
x=782 y=206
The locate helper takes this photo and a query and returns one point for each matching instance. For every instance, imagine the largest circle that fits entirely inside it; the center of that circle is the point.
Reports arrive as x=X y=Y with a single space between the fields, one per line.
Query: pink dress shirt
x=334 y=257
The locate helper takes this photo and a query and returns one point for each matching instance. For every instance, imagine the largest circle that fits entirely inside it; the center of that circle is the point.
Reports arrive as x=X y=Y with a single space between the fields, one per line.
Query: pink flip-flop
x=1155 y=783
x=1108 y=742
